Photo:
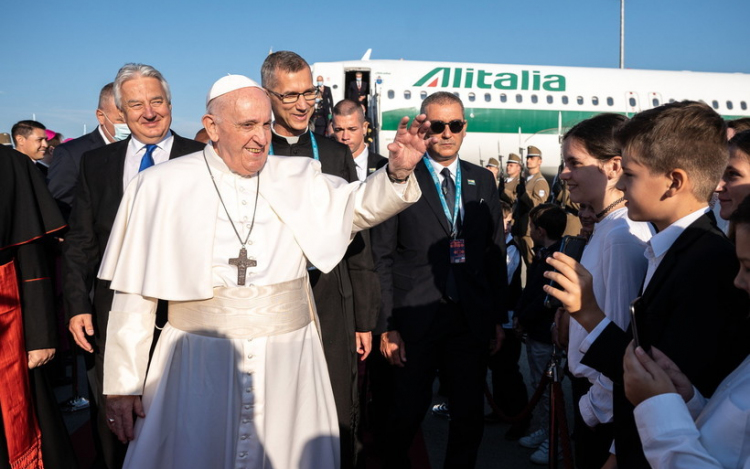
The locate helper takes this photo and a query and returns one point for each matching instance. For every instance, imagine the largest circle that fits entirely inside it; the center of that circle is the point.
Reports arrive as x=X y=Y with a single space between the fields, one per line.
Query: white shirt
x=614 y=256
x=103 y=134
x=135 y=152
x=437 y=167
x=360 y=161
x=718 y=438
x=656 y=249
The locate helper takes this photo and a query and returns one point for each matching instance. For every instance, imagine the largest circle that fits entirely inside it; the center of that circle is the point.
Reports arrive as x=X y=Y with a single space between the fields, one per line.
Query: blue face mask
x=122 y=131
x=320 y=83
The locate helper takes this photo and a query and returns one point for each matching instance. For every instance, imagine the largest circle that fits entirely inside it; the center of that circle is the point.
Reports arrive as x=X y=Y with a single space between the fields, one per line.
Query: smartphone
x=640 y=334
x=571 y=246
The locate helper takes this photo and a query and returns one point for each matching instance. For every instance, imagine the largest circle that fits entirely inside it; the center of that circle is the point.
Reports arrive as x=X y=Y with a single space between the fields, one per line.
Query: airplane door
x=654 y=99
x=632 y=104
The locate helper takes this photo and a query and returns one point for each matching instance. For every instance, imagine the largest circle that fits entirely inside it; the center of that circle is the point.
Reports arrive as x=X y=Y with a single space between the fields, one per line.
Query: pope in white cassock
x=238 y=378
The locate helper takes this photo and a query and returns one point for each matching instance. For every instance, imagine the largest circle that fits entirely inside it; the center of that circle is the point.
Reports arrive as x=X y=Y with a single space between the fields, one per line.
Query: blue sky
x=58 y=54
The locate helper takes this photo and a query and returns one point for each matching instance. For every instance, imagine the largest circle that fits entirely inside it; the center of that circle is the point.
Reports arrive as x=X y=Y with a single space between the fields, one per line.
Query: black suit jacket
x=98 y=194
x=353 y=93
x=375 y=162
x=692 y=312
x=63 y=171
x=412 y=257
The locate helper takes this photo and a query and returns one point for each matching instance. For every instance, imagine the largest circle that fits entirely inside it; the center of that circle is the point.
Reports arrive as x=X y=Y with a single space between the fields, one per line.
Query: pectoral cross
x=242 y=263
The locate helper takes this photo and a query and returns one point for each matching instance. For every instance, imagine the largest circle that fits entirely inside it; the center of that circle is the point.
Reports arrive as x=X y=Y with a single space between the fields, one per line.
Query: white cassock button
x=245 y=421
x=243 y=437
x=244 y=202
x=247 y=407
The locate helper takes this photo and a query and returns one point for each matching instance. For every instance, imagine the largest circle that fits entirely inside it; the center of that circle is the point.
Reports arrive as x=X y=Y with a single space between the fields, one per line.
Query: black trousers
x=508 y=389
x=462 y=359
x=591 y=444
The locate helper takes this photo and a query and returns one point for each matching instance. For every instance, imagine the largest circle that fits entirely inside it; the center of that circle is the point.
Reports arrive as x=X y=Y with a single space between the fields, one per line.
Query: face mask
x=122 y=131
x=359 y=80
x=320 y=83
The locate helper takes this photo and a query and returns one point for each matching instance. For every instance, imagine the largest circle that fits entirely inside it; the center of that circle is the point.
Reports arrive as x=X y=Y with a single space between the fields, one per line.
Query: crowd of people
x=265 y=293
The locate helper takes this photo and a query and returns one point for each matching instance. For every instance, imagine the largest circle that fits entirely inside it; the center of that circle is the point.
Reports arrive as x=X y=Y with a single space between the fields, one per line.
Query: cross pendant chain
x=242 y=263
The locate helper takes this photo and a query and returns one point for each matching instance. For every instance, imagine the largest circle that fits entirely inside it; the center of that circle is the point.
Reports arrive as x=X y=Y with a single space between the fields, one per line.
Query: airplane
x=509 y=107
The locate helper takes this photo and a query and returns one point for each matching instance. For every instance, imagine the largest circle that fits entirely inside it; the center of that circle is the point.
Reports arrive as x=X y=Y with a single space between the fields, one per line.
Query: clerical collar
x=290 y=140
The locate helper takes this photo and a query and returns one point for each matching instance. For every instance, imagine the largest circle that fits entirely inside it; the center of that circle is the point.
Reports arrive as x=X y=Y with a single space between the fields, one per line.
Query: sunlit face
x=448 y=144
x=735 y=182
x=292 y=119
x=33 y=145
x=241 y=130
x=643 y=191
x=533 y=162
x=742 y=239
x=586 y=176
x=512 y=169
x=108 y=116
x=351 y=132
x=146 y=109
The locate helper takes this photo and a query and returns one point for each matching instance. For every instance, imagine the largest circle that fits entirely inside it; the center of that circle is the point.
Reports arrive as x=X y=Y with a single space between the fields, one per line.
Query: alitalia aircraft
x=509 y=107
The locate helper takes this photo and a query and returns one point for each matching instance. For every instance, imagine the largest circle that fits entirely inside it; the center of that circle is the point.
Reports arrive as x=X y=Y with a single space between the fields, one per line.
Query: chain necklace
x=241 y=261
x=609 y=208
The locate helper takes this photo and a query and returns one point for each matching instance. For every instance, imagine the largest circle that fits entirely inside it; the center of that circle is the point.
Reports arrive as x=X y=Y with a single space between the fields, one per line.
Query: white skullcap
x=228 y=84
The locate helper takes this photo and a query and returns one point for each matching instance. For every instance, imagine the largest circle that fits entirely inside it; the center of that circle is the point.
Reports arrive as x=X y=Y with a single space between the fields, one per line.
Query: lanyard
x=312 y=141
x=451 y=218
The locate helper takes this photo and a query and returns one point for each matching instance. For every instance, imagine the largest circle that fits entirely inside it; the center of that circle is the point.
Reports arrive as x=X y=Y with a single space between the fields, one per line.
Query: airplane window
x=534 y=98
x=423 y=95
x=631 y=101
x=715 y=104
x=519 y=98
x=743 y=105
x=655 y=102
x=550 y=99
x=595 y=100
x=730 y=105
x=503 y=97
x=579 y=99
x=472 y=97
x=565 y=100
x=487 y=97
x=407 y=94
x=391 y=94
x=455 y=93
x=610 y=101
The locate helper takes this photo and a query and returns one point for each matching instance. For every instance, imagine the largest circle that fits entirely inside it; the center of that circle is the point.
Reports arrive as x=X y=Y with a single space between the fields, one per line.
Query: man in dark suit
x=346 y=298
x=323 y=107
x=142 y=95
x=442 y=270
x=350 y=128
x=358 y=90
x=63 y=171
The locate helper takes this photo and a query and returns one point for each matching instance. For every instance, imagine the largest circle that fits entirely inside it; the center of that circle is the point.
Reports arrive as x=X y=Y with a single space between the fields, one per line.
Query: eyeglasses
x=291 y=98
x=437 y=127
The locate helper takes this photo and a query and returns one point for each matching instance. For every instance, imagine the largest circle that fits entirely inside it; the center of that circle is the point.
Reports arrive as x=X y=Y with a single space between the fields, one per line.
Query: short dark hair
x=284 y=61
x=739 y=125
x=24 y=129
x=741 y=141
x=550 y=217
x=107 y=93
x=347 y=107
x=441 y=97
x=688 y=135
x=506 y=208
x=597 y=135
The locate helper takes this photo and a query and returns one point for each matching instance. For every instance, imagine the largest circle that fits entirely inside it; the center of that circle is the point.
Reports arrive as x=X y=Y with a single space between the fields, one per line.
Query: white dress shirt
x=135 y=152
x=360 y=161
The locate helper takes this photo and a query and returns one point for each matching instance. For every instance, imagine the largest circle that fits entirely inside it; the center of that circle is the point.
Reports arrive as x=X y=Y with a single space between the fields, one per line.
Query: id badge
x=458 y=251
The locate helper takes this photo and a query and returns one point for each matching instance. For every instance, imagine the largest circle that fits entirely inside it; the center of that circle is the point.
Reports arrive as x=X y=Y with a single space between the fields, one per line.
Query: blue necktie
x=147 y=161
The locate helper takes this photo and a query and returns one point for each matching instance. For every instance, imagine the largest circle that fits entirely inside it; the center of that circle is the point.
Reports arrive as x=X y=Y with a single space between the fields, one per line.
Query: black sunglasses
x=437 y=127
